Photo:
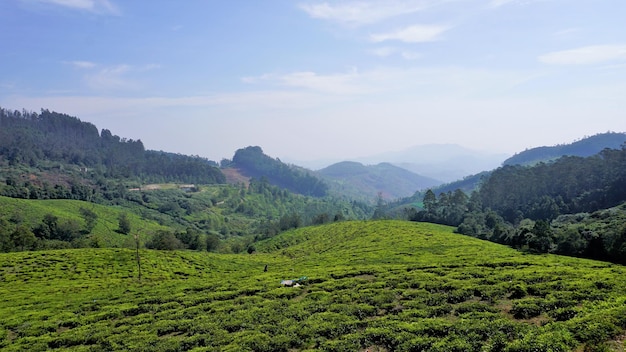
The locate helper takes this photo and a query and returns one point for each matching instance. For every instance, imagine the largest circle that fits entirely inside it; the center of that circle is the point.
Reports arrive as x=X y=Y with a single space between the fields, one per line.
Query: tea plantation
x=370 y=285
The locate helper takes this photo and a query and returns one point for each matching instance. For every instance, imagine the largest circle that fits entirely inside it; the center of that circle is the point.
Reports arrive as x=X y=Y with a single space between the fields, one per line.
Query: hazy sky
x=316 y=79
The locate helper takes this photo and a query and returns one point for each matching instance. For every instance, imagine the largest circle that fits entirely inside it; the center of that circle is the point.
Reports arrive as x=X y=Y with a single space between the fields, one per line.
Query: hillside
x=377 y=286
x=585 y=147
x=104 y=232
x=359 y=181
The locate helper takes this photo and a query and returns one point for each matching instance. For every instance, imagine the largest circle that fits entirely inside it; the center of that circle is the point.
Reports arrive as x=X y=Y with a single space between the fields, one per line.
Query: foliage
x=123 y=224
x=377 y=285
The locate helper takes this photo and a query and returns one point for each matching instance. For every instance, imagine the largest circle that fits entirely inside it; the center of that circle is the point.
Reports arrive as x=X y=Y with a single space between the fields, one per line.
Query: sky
x=321 y=79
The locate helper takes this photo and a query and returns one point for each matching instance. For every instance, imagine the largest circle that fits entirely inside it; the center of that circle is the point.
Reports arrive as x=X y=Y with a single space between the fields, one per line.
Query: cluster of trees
x=254 y=163
x=558 y=207
x=188 y=239
x=51 y=233
x=447 y=209
x=28 y=138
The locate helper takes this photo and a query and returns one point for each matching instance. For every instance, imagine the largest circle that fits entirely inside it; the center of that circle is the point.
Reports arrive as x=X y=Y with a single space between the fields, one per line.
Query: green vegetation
x=234 y=215
x=378 y=285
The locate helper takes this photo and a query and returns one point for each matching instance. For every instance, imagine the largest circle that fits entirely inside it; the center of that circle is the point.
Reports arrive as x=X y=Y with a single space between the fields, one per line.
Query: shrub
x=526 y=309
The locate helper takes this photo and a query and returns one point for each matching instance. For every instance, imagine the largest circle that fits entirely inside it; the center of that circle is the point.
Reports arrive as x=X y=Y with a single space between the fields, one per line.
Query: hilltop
x=375 y=285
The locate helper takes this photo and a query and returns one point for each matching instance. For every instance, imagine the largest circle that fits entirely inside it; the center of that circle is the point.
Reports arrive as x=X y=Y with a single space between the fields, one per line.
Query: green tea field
x=363 y=286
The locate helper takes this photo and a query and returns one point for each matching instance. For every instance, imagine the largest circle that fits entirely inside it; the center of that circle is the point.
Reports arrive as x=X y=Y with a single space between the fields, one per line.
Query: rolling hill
x=359 y=181
x=370 y=285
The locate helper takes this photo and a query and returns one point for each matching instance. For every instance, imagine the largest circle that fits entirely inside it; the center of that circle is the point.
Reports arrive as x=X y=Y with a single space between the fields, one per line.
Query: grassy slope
x=385 y=285
x=33 y=211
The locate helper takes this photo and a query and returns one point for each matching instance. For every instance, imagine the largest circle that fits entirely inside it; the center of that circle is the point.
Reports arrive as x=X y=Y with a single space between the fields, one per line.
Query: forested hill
x=585 y=147
x=28 y=138
x=252 y=162
x=572 y=206
x=569 y=185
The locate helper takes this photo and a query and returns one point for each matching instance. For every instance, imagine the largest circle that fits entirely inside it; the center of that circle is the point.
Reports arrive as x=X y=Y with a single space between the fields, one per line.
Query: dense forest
x=572 y=206
x=28 y=138
x=254 y=163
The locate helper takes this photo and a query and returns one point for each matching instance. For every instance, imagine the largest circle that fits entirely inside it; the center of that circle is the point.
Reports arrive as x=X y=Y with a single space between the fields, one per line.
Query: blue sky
x=315 y=79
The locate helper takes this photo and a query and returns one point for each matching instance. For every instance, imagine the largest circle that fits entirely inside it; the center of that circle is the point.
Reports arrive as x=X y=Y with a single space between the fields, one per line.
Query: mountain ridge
x=584 y=147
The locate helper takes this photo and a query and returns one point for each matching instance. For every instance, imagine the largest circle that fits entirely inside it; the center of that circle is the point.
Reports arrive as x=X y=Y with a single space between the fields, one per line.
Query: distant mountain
x=445 y=162
x=584 y=148
x=365 y=182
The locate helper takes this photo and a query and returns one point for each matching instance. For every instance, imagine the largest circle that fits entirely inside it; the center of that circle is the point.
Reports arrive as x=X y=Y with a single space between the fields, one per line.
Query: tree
x=124 y=224
x=68 y=230
x=90 y=219
x=379 y=212
x=48 y=229
x=212 y=242
x=541 y=241
x=6 y=242
x=430 y=202
x=165 y=240
x=23 y=238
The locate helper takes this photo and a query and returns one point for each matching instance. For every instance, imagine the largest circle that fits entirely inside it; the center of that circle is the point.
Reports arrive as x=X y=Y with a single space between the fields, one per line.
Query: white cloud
x=341 y=83
x=566 y=32
x=586 y=55
x=114 y=77
x=364 y=12
x=387 y=51
x=82 y=64
x=111 y=78
x=498 y=3
x=95 y=6
x=412 y=34
x=384 y=51
x=410 y=55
